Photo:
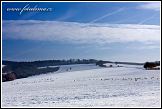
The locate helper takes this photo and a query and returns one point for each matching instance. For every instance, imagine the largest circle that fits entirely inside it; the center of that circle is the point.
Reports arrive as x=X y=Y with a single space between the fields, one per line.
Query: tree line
x=16 y=70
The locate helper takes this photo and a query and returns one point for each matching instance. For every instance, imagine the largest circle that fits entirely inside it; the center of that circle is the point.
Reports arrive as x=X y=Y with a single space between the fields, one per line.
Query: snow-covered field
x=90 y=86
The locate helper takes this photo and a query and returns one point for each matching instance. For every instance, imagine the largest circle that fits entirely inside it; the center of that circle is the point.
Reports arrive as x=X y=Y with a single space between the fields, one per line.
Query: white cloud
x=150 y=6
x=79 y=32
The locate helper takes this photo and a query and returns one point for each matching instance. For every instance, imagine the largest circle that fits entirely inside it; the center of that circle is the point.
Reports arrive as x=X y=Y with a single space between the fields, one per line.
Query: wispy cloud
x=144 y=46
x=74 y=32
x=150 y=6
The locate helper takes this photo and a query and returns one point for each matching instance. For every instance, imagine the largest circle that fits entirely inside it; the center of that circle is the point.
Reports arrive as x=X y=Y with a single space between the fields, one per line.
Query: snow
x=74 y=67
x=3 y=66
x=86 y=86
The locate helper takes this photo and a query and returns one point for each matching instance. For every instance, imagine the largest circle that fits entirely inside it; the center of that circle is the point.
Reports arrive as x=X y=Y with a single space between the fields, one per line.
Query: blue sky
x=116 y=31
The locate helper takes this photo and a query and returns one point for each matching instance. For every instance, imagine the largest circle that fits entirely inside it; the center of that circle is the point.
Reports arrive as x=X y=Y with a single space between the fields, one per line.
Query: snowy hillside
x=91 y=86
x=74 y=67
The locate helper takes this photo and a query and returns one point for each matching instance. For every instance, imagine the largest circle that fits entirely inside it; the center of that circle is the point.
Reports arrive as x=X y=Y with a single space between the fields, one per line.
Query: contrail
x=109 y=14
x=126 y=19
x=147 y=19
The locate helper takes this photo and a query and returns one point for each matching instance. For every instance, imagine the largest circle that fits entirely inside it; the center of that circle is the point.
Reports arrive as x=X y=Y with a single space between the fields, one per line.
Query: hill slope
x=110 y=87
